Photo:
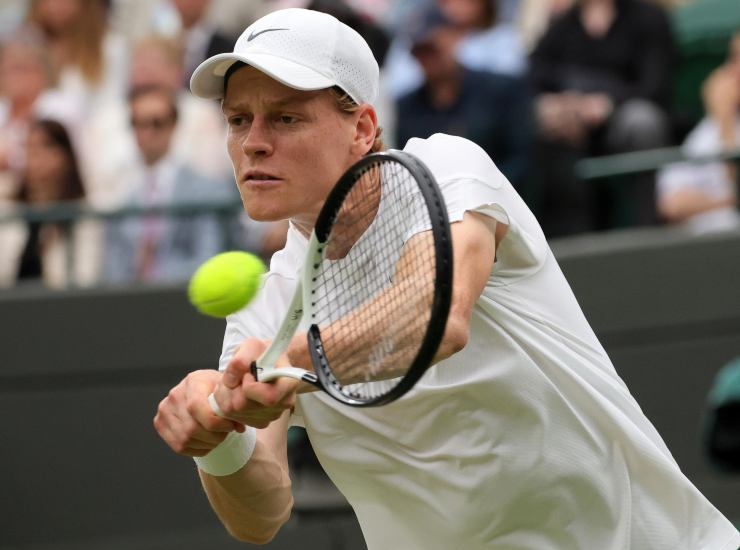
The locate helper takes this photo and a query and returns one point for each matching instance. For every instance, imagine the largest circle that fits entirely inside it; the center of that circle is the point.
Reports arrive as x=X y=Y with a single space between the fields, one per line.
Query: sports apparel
x=527 y=438
x=303 y=49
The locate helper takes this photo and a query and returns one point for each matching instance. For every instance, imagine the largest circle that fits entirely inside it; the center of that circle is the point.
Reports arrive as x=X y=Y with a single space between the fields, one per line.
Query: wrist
x=230 y=455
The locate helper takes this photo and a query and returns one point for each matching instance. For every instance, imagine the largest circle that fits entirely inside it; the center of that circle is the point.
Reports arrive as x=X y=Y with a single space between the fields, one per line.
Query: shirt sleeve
x=470 y=181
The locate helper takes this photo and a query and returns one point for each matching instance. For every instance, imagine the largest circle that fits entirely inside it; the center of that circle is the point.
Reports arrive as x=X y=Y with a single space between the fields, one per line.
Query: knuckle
x=179 y=447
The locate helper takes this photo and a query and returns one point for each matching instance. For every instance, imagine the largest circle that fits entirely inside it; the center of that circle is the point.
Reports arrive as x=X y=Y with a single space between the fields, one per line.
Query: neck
x=153 y=160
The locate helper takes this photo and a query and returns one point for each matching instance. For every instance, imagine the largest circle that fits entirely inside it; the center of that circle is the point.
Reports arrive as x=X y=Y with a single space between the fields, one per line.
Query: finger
x=182 y=437
x=271 y=394
x=241 y=363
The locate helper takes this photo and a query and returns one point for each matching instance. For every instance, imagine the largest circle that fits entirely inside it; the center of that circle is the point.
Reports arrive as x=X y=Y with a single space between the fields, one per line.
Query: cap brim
x=208 y=78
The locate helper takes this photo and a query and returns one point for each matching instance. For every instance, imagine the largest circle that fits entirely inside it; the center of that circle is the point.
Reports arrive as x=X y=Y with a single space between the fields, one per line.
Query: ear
x=366 y=128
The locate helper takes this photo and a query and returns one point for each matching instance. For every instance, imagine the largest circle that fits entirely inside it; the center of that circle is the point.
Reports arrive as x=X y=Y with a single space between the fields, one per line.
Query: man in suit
x=161 y=248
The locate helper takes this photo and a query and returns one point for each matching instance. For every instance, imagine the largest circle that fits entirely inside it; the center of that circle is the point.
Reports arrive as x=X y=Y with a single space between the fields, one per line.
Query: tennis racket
x=376 y=285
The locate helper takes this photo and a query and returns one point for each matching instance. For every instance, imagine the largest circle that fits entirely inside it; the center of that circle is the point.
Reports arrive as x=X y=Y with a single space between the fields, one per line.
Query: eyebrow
x=298 y=98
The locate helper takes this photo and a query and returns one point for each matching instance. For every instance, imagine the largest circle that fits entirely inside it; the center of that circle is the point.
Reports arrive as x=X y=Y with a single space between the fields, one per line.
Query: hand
x=185 y=420
x=721 y=94
x=246 y=401
x=559 y=118
x=595 y=109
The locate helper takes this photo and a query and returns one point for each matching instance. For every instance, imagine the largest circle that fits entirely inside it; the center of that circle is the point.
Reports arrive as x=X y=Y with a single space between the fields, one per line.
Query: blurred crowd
x=95 y=112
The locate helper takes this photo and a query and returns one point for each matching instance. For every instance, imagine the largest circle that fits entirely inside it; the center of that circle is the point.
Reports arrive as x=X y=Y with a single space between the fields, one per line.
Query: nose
x=258 y=140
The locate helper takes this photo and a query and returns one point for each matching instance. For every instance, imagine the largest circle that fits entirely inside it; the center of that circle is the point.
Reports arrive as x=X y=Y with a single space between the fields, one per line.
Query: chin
x=264 y=214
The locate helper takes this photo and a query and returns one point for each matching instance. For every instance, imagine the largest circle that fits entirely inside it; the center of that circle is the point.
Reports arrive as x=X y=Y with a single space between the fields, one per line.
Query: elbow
x=256 y=538
x=266 y=532
x=455 y=336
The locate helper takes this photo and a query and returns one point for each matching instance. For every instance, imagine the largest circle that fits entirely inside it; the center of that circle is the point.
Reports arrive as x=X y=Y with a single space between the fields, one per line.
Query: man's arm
x=474 y=248
x=256 y=500
x=474 y=242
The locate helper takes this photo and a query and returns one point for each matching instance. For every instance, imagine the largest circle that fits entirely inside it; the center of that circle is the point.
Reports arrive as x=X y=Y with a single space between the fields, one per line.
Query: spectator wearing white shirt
x=703 y=197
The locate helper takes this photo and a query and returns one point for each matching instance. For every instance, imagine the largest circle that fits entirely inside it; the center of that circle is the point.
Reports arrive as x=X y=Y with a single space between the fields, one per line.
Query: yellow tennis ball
x=225 y=283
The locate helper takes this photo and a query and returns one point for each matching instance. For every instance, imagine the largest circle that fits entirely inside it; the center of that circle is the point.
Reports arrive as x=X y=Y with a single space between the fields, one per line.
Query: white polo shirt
x=525 y=439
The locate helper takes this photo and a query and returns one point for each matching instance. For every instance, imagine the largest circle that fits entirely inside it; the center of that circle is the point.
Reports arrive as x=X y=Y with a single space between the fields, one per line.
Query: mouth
x=256 y=178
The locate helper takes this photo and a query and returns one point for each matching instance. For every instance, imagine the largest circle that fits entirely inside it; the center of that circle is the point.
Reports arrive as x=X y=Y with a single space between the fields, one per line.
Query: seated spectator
x=703 y=197
x=602 y=75
x=57 y=254
x=536 y=16
x=23 y=78
x=88 y=59
x=198 y=137
x=485 y=44
x=198 y=37
x=491 y=110
x=158 y=247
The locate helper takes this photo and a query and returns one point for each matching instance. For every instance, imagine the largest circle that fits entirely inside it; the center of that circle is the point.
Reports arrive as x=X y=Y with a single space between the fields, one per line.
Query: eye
x=288 y=119
x=237 y=120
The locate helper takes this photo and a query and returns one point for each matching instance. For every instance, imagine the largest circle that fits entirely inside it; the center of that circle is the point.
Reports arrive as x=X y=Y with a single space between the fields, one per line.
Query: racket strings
x=374 y=292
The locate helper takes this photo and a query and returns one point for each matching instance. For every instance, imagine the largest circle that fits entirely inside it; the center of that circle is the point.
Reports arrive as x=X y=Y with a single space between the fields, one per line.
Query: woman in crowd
x=57 y=254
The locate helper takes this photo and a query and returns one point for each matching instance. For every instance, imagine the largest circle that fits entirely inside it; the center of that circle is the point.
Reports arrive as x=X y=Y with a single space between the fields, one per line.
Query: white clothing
x=525 y=439
x=66 y=260
x=711 y=179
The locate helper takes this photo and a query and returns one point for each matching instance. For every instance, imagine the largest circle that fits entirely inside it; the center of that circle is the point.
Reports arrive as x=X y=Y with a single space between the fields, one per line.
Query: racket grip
x=268 y=375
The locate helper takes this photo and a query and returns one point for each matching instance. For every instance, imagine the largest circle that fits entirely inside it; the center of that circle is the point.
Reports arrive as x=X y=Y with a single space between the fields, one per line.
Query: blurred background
x=618 y=121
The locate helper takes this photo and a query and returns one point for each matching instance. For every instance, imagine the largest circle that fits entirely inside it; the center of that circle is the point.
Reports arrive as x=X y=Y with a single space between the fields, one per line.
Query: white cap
x=303 y=49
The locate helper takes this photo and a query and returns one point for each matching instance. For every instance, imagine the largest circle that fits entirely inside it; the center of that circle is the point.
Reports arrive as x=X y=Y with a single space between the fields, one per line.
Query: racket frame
x=301 y=304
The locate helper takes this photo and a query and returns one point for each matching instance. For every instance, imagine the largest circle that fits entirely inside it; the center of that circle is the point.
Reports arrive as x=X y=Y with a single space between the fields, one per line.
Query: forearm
x=677 y=209
x=255 y=501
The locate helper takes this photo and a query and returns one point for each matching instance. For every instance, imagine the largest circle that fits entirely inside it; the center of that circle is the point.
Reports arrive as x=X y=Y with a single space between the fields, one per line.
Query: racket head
x=379 y=293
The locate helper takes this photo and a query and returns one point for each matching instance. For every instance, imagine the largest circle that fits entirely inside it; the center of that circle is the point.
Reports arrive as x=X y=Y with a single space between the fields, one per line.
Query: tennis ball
x=225 y=283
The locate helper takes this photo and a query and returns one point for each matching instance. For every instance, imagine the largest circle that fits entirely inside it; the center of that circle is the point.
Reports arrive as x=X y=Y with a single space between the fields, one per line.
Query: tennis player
x=521 y=435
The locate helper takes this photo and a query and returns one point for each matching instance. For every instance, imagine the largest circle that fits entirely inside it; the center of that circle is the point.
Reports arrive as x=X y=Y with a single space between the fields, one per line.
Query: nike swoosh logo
x=254 y=35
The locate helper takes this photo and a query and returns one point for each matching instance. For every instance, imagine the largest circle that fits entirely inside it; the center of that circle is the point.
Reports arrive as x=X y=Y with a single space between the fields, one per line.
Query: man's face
x=288 y=147
x=151 y=67
x=436 y=54
x=22 y=73
x=153 y=122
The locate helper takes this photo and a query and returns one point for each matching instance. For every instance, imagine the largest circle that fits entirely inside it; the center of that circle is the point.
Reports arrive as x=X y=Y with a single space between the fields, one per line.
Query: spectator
x=488 y=42
x=24 y=77
x=198 y=138
x=198 y=37
x=158 y=248
x=536 y=16
x=39 y=251
x=492 y=110
x=88 y=59
x=703 y=197
x=485 y=44
x=602 y=73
